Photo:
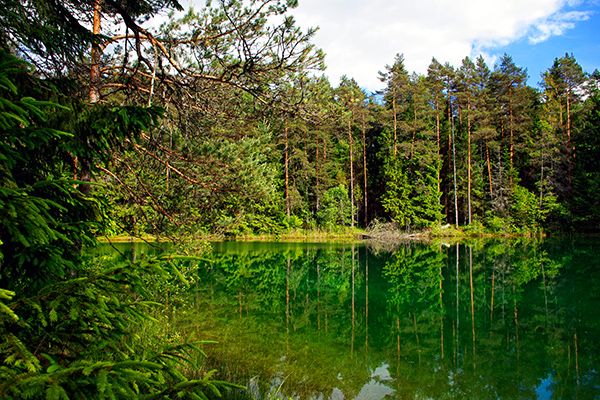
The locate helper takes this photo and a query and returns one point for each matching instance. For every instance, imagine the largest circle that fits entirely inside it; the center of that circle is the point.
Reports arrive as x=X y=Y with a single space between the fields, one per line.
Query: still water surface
x=483 y=320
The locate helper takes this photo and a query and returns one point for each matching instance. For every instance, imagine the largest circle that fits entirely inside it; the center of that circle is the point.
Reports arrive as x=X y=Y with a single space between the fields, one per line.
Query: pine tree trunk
x=469 y=158
x=500 y=158
x=395 y=149
x=439 y=144
x=570 y=152
x=350 y=142
x=448 y=157
x=286 y=161
x=511 y=143
x=489 y=168
x=318 y=205
x=364 y=139
x=542 y=178
x=414 y=133
x=452 y=157
x=454 y=178
x=94 y=92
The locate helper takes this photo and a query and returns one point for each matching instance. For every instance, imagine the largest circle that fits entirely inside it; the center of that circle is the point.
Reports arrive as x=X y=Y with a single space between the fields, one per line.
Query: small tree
x=336 y=209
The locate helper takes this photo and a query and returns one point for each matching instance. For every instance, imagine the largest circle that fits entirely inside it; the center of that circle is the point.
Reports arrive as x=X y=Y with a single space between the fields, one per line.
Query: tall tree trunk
x=395 y=148
x=364 y=139
x=570 y=148
x=450 y=156
x=542 y=172
x=454 y=170
x=351 y=142
x=414 y=133
x=439 y=144
x=489 y=168
x=318 y=205
x=511 y=144
x=469 y=158
x=286 y=161
x=500 y=153
x=94 y=92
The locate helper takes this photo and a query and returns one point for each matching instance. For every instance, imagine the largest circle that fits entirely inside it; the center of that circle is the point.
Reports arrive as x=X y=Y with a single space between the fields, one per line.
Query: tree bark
x=469 y=158
x=452 y=139
x=439 y=152
x=395 y=125
x=511 y=143
x=414 y=133
x=94 y=93
x=570 y=152
x=489 y=168
x=286 y=161
x=364 y=139
x=454 y=179
x=350 y=142
x=449 y=151
x=318 y=205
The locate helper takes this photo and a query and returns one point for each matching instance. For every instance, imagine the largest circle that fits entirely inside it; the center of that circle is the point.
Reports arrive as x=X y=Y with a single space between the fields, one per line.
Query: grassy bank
x=299 y=235
x=302 y=235
x=387 y=232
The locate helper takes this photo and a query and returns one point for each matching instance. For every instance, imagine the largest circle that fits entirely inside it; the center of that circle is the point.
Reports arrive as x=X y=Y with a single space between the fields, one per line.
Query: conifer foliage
x=68 y=323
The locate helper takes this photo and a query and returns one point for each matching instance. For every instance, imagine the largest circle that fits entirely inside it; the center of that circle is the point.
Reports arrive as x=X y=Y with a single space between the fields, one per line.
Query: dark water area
x=497 y=319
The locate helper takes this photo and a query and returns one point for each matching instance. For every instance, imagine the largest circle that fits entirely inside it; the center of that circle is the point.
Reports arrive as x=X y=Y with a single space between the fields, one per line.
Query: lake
x=493 y=319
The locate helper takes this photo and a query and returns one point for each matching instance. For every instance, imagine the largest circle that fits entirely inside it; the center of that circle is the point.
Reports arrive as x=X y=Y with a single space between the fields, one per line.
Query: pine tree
x=467 y=93
x=64 y=319
x=352 y=100
x=563 y=85
x=397 y=99
x=435 y=84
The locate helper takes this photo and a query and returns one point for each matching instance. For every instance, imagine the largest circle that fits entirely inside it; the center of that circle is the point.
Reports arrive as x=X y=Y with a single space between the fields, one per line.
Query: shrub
x=335 y=209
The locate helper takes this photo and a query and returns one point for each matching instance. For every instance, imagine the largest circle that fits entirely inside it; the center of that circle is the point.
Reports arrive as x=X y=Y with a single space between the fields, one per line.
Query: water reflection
x=493 y=319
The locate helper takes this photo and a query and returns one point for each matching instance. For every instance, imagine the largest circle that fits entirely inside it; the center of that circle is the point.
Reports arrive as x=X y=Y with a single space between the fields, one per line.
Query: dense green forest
x=253 y=139
x=470 y=146
x=219 y=121
x=467 y=145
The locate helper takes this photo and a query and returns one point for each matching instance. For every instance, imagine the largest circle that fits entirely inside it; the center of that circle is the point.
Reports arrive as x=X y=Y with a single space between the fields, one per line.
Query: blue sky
x=361 y=36
x=583 y=41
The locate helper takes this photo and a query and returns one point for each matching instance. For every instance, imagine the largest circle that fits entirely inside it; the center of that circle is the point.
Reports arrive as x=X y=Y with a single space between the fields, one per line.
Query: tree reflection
x=484 y=319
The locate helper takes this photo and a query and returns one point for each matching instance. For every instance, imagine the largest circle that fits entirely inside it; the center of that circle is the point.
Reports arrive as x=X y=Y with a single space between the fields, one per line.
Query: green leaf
x=56 y=392
x=52 y=315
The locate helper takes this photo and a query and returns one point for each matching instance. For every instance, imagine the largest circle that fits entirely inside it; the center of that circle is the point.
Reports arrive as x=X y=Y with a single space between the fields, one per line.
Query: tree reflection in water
x=482 y=319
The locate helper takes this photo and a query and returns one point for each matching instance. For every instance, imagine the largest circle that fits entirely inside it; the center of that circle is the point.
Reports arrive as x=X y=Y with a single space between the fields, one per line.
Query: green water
x=486 y=320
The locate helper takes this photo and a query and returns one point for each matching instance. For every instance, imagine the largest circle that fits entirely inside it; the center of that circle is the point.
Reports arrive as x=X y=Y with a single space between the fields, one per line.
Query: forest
x=142 y=118
x=469 y=146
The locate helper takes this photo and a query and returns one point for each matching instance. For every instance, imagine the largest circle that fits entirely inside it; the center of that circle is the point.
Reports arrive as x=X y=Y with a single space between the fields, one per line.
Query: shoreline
x=348 y=236
x=295 y=236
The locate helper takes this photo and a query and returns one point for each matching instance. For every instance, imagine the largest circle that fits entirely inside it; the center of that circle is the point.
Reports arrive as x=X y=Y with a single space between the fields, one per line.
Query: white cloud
x=360 y=37
x=556 y=25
